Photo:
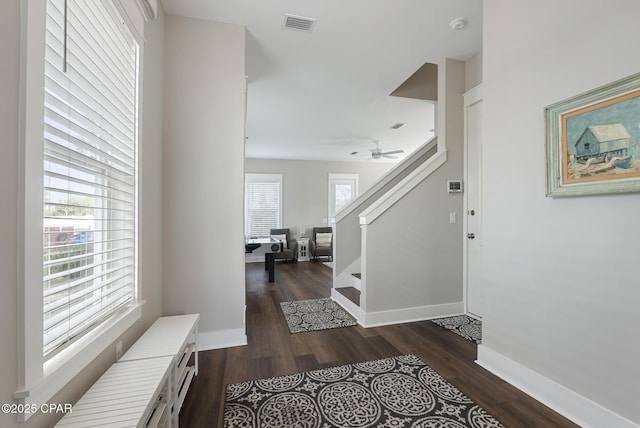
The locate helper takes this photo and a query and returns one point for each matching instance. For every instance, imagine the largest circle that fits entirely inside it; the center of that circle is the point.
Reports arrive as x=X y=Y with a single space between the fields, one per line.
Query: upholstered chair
x=290 y=251
x=321 y=242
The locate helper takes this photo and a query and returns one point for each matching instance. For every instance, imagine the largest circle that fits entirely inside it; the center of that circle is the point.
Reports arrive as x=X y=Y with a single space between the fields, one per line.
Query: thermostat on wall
x=454 y=186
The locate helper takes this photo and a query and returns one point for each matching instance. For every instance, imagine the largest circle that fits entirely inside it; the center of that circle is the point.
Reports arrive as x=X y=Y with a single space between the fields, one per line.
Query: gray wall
x=9 y=98
x=426 y=264
x=306 y=185
x=473 y=71
x=414 y=255
x=561 y=298
x=348 y=234
x=150 y=203
x=203 y=177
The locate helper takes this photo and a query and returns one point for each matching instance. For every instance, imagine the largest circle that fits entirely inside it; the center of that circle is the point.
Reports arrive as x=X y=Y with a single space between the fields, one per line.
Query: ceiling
x=324 y=94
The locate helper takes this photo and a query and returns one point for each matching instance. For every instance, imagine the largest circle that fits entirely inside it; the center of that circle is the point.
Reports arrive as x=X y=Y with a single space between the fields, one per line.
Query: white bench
x=130 y=394
x=148 y=384
x=177 y=337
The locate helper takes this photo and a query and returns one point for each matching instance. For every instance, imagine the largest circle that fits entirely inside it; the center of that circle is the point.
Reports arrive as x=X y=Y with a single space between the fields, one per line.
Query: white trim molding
x=40 y=379
x=252 y=178
x=348 y=305
x=398 y=316
x=389 y=176
x=345 y=278
x=471 y=98
x=208 y=340
x=385 y=202
x=337 y=178
x=62 y=368
x=405 y=315
x=568 y=403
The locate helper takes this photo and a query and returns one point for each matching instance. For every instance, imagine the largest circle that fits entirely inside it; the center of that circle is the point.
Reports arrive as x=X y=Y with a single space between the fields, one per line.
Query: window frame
x=40 y=378
x=340 y=178
x=264 y=178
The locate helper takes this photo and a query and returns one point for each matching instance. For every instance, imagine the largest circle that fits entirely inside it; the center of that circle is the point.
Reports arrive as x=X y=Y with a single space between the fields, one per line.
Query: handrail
x=402 y=188
x=386 y=178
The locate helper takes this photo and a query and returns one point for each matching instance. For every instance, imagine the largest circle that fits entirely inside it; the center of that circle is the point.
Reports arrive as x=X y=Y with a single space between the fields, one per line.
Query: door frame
x=471 y=97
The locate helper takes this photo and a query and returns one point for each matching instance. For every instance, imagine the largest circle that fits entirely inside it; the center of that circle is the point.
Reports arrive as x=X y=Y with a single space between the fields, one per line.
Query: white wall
x=560 y=275
x=203 y=177
x=150 y=230
x=306 y=186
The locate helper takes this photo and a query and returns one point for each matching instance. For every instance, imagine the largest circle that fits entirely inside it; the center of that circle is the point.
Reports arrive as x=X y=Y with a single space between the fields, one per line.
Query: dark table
x=269 y=247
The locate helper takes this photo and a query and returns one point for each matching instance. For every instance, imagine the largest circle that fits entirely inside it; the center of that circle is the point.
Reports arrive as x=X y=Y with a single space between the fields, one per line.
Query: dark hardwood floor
x=273 y=351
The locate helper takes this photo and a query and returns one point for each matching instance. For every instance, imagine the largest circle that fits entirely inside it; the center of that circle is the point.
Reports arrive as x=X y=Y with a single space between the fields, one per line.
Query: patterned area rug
x=315 y=314
x=463 y=325
x=393 y=392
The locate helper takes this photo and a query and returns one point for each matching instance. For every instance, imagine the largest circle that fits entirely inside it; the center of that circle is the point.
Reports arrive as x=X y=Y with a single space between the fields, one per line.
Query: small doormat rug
x=315 y=314
x=462 y=325
x=392 y=392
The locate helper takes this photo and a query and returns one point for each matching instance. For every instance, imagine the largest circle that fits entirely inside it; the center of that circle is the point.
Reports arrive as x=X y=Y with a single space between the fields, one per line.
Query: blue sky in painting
x=627 y=113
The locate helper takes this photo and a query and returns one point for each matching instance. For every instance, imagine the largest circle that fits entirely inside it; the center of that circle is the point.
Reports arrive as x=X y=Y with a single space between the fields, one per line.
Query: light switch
x=452 y=217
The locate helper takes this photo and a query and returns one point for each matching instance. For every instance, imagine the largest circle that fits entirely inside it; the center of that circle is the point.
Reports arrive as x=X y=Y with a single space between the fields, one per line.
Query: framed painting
x=592 y=141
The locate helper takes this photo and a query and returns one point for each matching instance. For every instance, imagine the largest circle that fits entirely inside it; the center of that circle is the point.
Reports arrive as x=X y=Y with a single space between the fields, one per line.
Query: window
x=89 y=168
x=79 y=190
x=263 y=203
x=343 y=188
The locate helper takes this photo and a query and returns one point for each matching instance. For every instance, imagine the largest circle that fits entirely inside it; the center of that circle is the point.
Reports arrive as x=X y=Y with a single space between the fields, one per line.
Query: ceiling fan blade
x=390 y=156
x=393 y=152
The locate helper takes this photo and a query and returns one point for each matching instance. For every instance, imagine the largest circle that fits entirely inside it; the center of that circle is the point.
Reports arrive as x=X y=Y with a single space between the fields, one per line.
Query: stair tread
x=350 y=293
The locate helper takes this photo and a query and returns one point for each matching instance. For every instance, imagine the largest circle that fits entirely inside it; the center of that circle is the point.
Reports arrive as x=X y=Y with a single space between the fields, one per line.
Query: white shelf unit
x=175 y=337
x=303 y=249
x=132 y=394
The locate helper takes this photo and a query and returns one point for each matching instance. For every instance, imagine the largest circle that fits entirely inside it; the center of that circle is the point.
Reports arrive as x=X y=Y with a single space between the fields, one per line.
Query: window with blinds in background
x=263 y=203
x=90 y=163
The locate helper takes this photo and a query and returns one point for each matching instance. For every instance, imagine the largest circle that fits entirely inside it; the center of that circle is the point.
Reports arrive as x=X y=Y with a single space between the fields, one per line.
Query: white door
x=473 y=201
x=343 y=188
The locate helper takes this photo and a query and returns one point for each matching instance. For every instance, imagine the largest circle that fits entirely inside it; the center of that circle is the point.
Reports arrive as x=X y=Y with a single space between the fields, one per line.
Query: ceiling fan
x=378 y=153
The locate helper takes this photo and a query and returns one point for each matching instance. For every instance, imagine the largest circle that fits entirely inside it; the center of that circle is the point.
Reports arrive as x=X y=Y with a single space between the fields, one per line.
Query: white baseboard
x=376 y=319
x=422 y=313
x=568 y=403
x=208 y=340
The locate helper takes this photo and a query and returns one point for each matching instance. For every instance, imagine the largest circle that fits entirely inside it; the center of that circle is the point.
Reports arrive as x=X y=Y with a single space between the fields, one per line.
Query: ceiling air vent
x=299 y=23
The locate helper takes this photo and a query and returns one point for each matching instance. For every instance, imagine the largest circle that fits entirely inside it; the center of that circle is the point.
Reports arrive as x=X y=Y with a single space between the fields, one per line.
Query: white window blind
x=263 y=203
x=90 y=163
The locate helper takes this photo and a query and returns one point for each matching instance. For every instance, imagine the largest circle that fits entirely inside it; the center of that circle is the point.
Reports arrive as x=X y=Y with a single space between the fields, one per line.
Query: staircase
x=403 y=236
x=347 y=222
x=378 y=269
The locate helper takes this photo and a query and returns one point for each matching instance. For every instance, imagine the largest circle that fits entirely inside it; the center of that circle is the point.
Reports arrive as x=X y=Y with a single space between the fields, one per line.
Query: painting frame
x=593 y=141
